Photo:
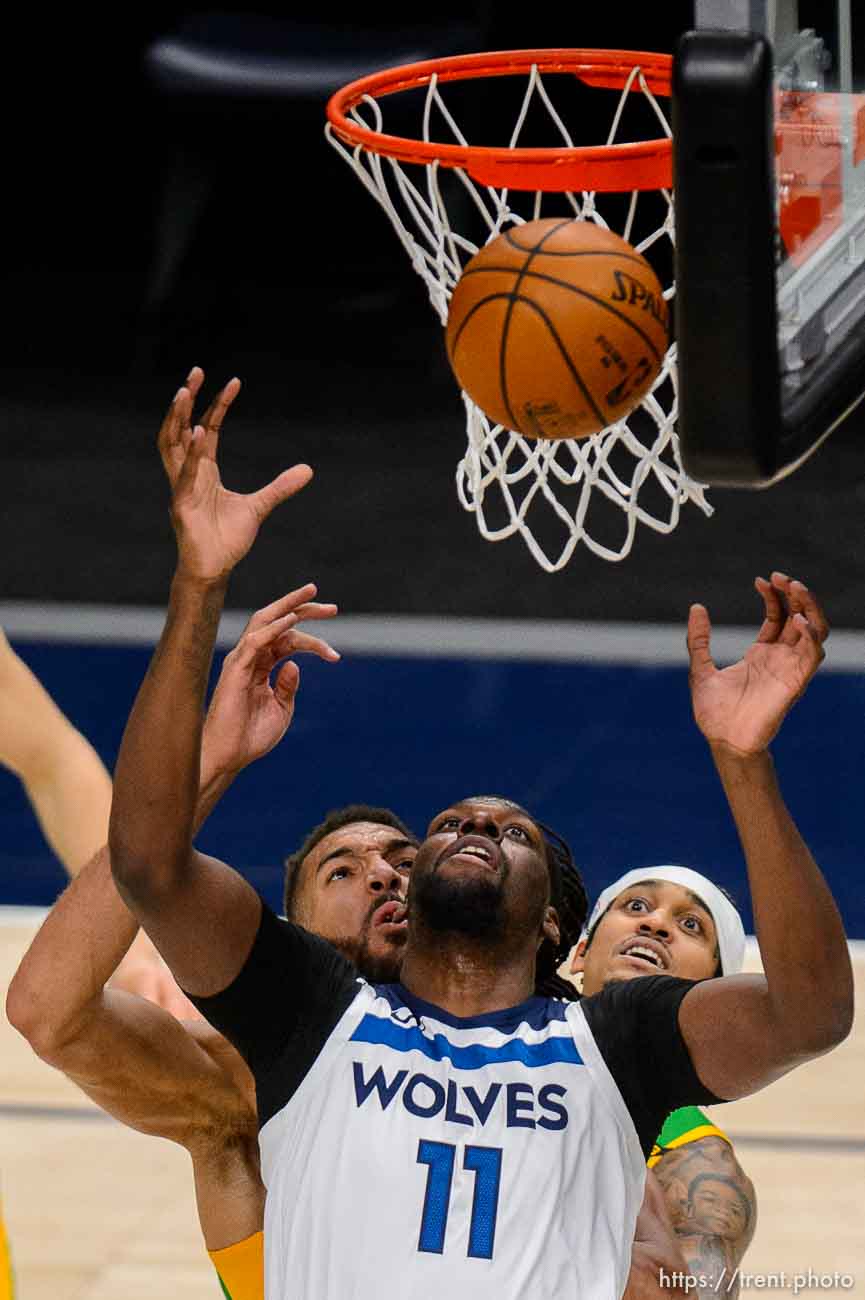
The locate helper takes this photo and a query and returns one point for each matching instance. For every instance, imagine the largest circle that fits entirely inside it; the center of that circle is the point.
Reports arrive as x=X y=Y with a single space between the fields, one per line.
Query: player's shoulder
x=279 y=934
x=292 y=931
x=637 y=1009
x=646 y=991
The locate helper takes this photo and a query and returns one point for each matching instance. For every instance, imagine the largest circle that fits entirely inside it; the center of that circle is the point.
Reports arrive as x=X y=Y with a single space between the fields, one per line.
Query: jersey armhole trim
x=336 y=1041
x=608 y=1088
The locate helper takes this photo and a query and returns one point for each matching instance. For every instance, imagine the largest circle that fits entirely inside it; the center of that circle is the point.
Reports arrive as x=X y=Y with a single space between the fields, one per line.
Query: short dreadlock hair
x=334 y=821
x=572 y=904
x=567 y=895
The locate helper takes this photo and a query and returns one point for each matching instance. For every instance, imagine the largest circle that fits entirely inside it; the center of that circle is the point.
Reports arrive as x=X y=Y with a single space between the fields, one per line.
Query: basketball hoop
x=553 y=493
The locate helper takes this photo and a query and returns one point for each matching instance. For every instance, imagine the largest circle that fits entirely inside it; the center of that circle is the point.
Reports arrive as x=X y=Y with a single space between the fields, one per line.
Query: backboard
x=769 y=158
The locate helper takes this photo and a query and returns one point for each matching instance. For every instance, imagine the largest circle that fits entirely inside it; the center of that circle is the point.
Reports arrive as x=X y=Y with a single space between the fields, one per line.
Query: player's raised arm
x=137 y=1062
x=70 y=793
x=202 y=916
x=65 y=779
x=57 y=998
x=744 y=1031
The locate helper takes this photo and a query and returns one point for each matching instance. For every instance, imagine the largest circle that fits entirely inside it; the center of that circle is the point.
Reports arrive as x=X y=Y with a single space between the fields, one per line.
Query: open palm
x=250 y=711
x=743 y=706
x=215 y=527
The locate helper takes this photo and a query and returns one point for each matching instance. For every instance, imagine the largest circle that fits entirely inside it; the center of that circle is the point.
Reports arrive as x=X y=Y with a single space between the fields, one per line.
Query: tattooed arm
x=658 y=1265
x=713 y=1211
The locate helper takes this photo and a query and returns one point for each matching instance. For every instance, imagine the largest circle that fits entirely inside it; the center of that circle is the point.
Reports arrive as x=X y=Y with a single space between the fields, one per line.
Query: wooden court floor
x=96 y=1212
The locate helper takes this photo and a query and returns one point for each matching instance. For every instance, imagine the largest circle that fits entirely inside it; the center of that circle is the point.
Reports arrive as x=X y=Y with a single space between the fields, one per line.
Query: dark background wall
x=295 y=282
x=605 y=753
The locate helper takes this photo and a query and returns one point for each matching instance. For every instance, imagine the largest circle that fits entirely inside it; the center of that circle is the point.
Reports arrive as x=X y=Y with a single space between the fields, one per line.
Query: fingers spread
x=808 y=640
x=194 y=380
x=268 y=636
x=179 y=413
x=790 y=631
x=284 y=644
x=775 y=613
x=261 y=648
x=699 y=637
x=216 y=413
x=175 y=417
x=782 y=586
x=255 y=639
x=795 y=599
x=803 y=601
x=189 y=469
x=316 y=609
x=286 y=683
x=284 y=605
x=284 y=486
x=304 y=643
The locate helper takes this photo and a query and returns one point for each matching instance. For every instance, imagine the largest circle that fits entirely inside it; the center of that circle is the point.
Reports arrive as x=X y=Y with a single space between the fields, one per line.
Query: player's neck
x=465 y=978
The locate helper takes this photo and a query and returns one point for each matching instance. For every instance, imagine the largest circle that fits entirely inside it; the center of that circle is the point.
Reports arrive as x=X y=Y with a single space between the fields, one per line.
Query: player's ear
x=578 y=957
x=551 y=929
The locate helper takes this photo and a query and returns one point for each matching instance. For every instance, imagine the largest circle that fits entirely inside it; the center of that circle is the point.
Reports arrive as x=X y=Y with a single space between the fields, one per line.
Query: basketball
x=557 y=328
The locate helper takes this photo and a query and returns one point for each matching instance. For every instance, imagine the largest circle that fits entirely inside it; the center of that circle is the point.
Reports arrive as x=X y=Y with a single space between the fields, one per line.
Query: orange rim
x=643 y=165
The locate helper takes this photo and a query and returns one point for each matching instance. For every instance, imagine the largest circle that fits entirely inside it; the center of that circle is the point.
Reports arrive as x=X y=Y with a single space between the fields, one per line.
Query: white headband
x=728 y=922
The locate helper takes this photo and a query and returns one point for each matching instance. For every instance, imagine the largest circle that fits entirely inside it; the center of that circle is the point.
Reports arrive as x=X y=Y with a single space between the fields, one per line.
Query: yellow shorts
x=7 y=1282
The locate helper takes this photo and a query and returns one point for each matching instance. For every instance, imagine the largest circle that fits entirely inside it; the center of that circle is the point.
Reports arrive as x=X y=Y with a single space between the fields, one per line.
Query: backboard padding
x=769 y=138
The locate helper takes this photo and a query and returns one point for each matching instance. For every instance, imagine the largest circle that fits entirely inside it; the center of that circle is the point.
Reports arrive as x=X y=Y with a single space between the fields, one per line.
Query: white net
x=554 y=494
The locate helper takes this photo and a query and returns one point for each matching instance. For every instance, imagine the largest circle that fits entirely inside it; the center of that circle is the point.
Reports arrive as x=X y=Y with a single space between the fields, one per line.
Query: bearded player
x=57 y=999
x=184 y=1081
x=502 y=1138
x=344 y=882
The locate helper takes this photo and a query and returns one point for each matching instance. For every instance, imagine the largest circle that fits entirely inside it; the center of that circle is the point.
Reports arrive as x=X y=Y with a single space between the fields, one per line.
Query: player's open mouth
x=475 y=848
x=649 y=954
x=391 y=914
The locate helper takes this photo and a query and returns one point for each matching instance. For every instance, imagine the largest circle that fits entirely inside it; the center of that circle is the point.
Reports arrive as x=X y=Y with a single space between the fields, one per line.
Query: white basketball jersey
x=425 y=1157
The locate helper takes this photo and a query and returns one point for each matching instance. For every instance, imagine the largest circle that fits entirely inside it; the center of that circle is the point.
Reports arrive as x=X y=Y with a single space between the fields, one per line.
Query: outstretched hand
x=250 y=711
x=214 y=527
x=743 y=706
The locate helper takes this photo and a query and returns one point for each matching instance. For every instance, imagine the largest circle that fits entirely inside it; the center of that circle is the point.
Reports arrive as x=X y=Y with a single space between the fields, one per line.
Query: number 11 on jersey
x=486 y=1165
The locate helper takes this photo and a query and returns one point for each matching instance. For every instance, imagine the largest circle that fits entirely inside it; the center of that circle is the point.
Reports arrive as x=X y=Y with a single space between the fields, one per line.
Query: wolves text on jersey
x=519 y=1104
